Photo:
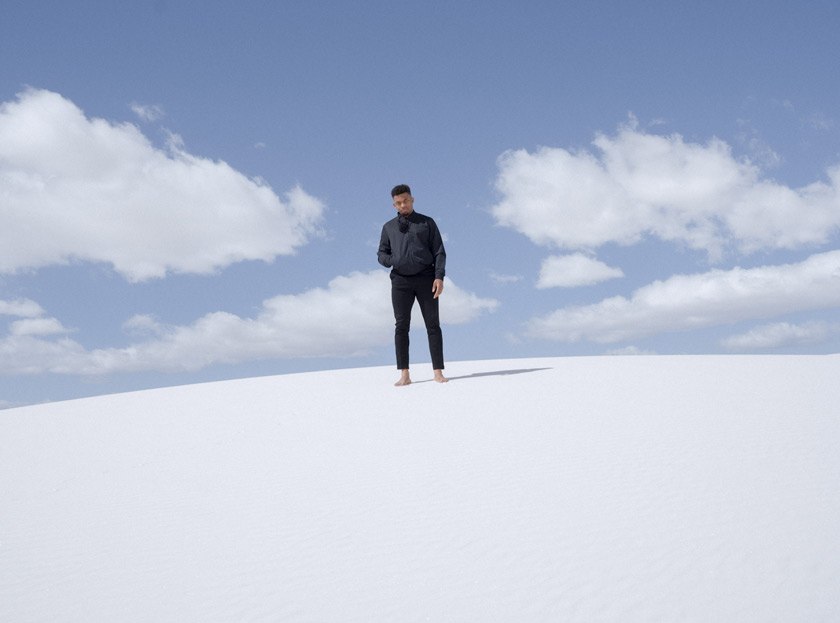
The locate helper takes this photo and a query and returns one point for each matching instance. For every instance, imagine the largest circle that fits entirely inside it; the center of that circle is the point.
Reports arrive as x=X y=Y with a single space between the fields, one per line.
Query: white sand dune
x=563 y=489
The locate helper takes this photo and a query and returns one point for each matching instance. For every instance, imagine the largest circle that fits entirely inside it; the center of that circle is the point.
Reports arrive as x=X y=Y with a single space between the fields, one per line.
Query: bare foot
x=439 y=377
x=404 y=379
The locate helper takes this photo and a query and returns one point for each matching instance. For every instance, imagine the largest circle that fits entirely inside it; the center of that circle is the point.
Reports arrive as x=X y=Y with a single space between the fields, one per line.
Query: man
x=411 y=246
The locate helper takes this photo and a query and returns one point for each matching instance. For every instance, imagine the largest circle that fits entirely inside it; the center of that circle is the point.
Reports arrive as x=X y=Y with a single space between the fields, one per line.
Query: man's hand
x=437 y=287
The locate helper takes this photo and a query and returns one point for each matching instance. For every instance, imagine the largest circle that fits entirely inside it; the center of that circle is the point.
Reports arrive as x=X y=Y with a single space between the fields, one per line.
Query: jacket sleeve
x=438 y=251
x=384 y=254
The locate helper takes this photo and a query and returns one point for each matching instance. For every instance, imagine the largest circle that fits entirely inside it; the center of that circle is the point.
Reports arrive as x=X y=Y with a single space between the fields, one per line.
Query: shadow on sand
x=480 y=374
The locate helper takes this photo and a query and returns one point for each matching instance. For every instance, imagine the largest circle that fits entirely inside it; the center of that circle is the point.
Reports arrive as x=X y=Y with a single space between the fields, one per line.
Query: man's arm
x=384 y=254
x=438 y=252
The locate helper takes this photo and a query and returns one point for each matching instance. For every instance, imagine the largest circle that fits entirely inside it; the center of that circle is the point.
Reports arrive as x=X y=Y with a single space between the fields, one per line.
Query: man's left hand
x=437 y=287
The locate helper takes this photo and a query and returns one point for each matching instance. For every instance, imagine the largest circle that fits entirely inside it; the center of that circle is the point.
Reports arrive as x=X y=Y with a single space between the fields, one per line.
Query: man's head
x=400 y=189
x=403 y=201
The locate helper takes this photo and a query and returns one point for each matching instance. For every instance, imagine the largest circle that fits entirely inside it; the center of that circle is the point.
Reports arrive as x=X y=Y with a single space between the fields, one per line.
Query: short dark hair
x=400 y=189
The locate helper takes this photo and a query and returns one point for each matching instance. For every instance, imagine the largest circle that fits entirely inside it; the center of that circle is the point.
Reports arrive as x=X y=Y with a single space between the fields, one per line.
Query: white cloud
x=505 y=279
x=781 y=334
x=351 y=316
x=639 y=184
x=22 y=308
x=28 y=354
x=457 y=306
x=37 y=326
x=148 y=112
x=685 y=302
x=630 y=351
x=820 y=121
x=86 y=189
x=142 y=324
x=569 y=271
x=759 y=150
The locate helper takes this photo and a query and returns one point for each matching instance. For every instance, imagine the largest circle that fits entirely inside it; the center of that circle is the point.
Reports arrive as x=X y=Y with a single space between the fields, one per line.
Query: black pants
x=404 y=290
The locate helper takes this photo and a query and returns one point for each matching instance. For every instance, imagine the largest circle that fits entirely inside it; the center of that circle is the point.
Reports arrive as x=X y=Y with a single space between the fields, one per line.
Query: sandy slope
x=575 y=489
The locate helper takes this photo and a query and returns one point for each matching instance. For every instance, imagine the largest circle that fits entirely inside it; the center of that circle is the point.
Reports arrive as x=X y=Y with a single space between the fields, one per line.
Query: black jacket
x=412 y=245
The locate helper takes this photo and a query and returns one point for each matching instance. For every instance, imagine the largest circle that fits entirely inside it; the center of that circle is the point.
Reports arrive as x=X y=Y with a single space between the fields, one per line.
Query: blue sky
x=194 y=191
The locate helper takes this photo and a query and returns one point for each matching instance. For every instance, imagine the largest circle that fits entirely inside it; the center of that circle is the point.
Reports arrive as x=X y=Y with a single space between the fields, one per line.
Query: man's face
x=404 y=204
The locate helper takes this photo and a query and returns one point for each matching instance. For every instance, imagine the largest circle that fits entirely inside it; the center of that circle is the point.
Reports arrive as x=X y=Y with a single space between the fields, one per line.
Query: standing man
x=411 y=246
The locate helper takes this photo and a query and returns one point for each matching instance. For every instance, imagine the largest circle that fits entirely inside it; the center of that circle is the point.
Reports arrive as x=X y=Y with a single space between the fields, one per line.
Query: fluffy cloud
x=22 y=308
x=569 y=271
x=685 y=302
x=37 y=326
x=82 y=189
x=457 y=306
x=638 y=184
x=351 y=316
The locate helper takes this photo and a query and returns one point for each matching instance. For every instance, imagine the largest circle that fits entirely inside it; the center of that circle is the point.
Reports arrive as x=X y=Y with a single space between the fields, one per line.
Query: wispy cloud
x=820 y=121
x=86 y=189
x=505 y=279
x=760 y=152
x=148 y=112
